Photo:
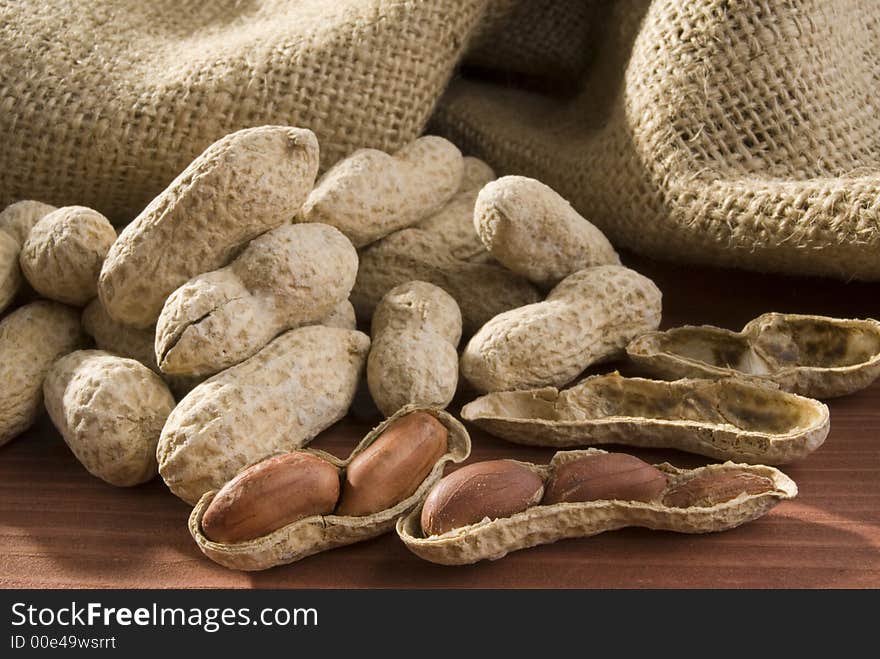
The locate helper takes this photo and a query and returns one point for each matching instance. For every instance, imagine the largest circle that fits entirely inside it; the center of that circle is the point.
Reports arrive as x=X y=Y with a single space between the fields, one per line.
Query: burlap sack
x=744 y=132
x=740 y=132
x=104 y=102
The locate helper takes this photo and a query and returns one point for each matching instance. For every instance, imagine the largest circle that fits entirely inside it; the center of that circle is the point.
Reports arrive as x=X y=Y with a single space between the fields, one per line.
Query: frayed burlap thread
x=742 y=133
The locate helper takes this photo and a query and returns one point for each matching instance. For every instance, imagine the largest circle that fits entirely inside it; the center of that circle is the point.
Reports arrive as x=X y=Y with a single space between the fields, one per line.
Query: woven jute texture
x=104 y=102
x=736 y=132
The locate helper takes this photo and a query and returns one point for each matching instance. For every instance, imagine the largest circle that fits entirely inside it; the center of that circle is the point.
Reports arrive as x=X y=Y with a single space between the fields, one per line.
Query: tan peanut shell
x=482 y=290
x=588 y=317
x=110 y=411
x=16 y=222
x=814 y=356
x=123 y=340
x=414 y=356
x=723 y=419
x=242 y=185
x=10 y=271
x=454 y=223
x=138 y=344
x=31 y=338
x=318 y=533
x=276 y=401
x=290 y=276
x=529 y=228
x=19 y=218
x=370 y=193
x=544 y=524
x=342 y=316
x=64 y=252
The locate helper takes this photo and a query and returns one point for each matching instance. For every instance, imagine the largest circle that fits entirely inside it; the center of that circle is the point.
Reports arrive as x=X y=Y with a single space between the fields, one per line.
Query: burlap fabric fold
x=104 y=102
x=736 y=132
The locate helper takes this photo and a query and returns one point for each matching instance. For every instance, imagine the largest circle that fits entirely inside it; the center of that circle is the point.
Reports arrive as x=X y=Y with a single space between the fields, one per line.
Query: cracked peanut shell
x=544 y=524
x=814 y=356
x=723 y=419
x=588 y=317
x=318 y=533
x=242 y=185
x=291 y=276
x=276 y=401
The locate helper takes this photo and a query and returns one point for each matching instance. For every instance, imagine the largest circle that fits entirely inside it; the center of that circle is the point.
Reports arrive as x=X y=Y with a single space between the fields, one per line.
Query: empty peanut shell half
x=808 y=355
x=724 y=496
x=724 y=419
x=317 y=533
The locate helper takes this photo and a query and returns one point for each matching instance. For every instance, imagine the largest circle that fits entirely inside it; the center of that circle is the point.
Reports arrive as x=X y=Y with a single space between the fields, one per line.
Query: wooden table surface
x=60 y=527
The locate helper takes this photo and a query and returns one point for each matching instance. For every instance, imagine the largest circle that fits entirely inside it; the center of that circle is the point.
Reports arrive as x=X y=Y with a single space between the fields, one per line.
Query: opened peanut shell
x=723 y=419
x=813 y=356
x=543 y=524
x=317 y=533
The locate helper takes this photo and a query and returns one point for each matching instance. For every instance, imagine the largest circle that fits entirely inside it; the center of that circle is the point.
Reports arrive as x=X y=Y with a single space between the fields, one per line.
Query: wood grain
x=60 y=527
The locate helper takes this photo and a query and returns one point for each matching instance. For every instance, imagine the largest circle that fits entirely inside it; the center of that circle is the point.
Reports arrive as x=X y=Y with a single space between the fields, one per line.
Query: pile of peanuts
x=216 y=335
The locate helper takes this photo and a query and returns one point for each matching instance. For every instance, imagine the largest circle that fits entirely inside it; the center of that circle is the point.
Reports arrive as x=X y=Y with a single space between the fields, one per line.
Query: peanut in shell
x=318 y=533
x=724 y=419
x=491 y=539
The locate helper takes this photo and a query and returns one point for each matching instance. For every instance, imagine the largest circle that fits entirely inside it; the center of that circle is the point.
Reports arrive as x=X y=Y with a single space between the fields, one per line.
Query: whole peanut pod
x=243 y=185
x=588 y=317
x=110 y=411
x=64 y=252
x=273 y=493
x=291 y=276
x=16 y=222
x=392 y=467
x=414 y=358
x=370 y=193
x=493 y=489
x=536 y=233
x=613 y=476
x=276 y=401
x=31 y=338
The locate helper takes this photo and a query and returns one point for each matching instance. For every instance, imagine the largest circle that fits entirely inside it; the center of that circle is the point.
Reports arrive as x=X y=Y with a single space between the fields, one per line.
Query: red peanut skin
x=493 y=489
x=392 y=467
x=271 y=494
x=716 y=487
x=609 y=476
